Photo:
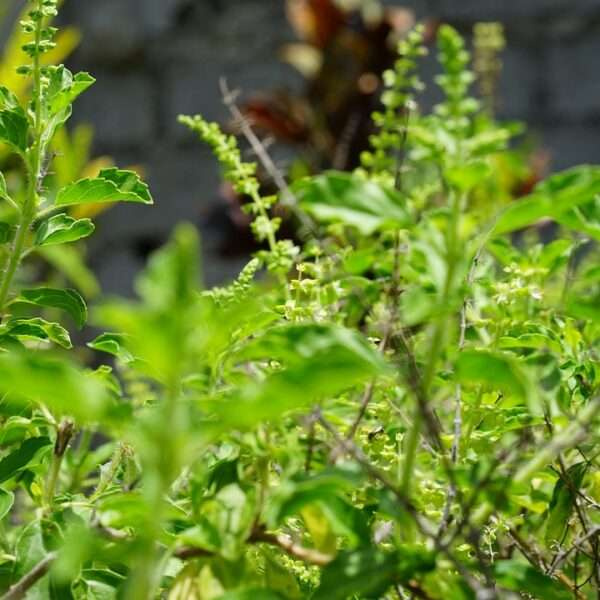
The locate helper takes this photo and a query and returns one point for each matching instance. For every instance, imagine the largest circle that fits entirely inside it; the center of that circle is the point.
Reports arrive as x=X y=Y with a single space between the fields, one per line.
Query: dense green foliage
x=403 y=405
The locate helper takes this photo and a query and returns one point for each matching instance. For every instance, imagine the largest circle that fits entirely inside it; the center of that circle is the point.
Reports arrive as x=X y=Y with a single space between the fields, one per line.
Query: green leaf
x=102 y=584
x=111 y=185
x=584 y=309
x=62 y=229
x=518 y=576
x=326 y=491
x=12 y=464
x=551 y=198
x=43 y=377
x=14 y=128
x=495 y=370
x=468 y=176
x=30 y=551
x=38 y=329
x=319 y=361
x=8 y=99
x=345 y=198
x=69 y=301
x=7 y=500
x=3 y=188
x=563 y=501
x=251 y=594
x=231 y=512
x=366 y=573
x=7 y=233
x=111 y=343
x=172 y=276
x=62 y=91
x=530 y=340
x=369 y=572
x=65 y=88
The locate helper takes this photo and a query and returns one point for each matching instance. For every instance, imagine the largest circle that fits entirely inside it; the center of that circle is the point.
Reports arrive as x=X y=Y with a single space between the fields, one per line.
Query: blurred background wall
x=155 y=59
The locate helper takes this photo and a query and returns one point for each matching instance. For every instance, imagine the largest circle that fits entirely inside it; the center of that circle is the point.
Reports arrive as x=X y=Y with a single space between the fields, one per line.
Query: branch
x=577 y=544
x=351 y=448
x=259 y=535
x=259 y=149
x=287 y=544
x=19 y=589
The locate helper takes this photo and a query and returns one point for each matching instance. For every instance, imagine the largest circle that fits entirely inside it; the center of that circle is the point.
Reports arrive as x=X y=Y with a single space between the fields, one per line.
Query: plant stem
x=19 y=589
x=412 y=442
x=63 y=437
x=33 y=166
x=105 y=480
x=569 y=437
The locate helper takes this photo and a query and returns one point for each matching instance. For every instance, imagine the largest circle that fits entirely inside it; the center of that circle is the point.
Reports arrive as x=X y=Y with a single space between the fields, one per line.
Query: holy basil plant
x=399 y=403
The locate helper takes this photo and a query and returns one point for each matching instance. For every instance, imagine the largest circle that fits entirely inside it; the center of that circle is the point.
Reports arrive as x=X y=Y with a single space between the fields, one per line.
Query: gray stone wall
x=157 y=58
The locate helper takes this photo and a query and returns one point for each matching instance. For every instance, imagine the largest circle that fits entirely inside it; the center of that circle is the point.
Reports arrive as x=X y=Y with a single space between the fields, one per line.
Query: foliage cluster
x=402 y=406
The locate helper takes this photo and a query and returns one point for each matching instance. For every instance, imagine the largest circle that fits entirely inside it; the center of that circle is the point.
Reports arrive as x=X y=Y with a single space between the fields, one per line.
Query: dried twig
x=287 y=197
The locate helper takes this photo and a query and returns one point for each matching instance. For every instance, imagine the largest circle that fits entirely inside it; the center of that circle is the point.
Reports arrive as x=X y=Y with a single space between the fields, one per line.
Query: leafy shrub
x=403 y=406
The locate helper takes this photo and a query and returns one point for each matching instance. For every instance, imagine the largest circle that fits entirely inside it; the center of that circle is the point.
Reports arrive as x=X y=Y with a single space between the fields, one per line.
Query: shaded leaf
x=369 y=572
x=496 y=370
x=251 y=594
x=14 y=128
x=563 y=501
x=7 y=500
x=319 y=361
x=294 y=493
x=69 y=301
x=7 y=233
x=344 y=198
x=43 y=377
x=584 y=309
x=30 y=551
x=518 y=576
x=366 y=573
x=551 y=198
x=12 y=464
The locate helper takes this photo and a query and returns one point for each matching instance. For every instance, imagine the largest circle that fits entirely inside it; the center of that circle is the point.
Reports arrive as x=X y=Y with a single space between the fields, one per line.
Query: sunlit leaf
x=111 y=185
x=3 y=188
x=61 y=229
x=37 y=329
x=112 y=343
x=466 y=177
